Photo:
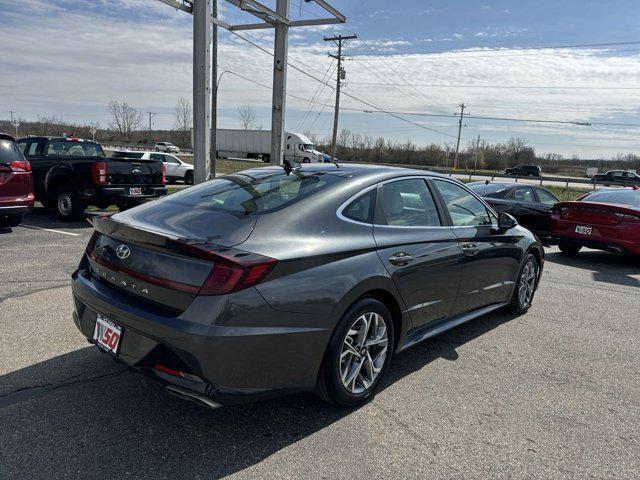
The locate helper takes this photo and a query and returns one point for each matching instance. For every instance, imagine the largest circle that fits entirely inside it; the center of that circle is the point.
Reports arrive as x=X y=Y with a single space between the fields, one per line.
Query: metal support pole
x=202 y=14
x=214 y=95
x=280 y=53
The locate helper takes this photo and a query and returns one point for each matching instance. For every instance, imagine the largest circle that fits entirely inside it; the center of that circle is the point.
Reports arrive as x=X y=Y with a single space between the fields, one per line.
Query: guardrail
x=541 y=179
x=141 y=147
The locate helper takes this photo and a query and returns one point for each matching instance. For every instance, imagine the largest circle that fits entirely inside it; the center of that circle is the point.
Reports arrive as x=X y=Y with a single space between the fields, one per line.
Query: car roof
x=47 y=137
x=6 y=136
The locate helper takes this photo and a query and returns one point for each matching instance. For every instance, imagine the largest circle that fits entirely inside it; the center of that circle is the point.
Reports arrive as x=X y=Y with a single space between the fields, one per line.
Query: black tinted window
x=408 y=203
x=127 y=155
x=245 y=193
x=464 y=208
x=9 y=152
x=67 y=147
x=361 y=209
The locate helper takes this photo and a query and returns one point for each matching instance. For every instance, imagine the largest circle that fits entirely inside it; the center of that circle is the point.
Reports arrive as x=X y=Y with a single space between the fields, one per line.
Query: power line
x=501 y=49
x=541 y=87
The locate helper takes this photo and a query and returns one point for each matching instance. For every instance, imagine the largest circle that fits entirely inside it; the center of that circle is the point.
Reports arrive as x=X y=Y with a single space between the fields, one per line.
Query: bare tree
x=183 y=114
x=124 y=118
x=247 y=117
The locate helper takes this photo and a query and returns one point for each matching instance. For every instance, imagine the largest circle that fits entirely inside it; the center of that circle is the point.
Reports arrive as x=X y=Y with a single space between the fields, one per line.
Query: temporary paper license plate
x=107 y=334
x=584 y=230
x=134 y=191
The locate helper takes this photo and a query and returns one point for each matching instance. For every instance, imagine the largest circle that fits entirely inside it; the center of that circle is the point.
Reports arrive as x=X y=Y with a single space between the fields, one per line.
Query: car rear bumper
x=622 y=239
x=115 y=193
x=230 y=357
x=13 y=206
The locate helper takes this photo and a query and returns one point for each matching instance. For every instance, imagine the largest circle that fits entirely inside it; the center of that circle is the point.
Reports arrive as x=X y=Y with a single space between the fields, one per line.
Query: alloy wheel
x=364 y=351
x=527 y=283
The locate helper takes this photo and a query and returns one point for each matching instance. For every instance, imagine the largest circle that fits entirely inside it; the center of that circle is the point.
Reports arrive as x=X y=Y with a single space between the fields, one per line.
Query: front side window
x=465 y=209
x=408 y=203
x=522 y=194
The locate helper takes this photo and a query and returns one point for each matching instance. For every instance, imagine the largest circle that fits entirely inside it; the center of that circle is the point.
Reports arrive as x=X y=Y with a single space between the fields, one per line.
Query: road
x=551 y=394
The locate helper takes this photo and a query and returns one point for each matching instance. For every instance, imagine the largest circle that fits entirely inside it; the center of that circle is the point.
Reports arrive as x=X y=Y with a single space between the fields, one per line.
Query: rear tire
x=67 y=204
x=358 y=354
x=569 y=248
x=188 y=178
x=10 y=220
x=526 y=283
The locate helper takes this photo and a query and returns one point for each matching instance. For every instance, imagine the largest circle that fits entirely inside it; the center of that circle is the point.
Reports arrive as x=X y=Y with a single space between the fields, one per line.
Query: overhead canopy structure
x=204 y=14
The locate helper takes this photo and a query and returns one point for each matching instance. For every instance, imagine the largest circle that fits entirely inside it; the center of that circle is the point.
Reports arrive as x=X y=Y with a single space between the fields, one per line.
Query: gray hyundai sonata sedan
x=270 y=281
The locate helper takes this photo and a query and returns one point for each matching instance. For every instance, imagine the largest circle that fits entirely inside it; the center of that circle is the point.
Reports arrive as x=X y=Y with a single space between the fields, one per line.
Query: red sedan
x=606 y=219
x=16 y=183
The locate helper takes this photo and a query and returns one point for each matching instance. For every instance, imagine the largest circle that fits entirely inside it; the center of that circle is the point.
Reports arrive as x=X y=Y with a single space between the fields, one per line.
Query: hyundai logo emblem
x=123 y=251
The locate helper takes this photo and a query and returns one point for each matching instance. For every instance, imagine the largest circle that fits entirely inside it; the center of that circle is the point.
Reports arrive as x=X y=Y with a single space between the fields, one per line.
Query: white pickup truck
x=175 y=168
x=257 y=144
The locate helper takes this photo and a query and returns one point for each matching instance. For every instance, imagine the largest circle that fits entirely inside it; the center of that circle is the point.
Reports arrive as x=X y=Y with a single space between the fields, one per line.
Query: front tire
x=67 y=204
x=569 y=248
x=525 y=286
x=188 y=178
x=358 y=354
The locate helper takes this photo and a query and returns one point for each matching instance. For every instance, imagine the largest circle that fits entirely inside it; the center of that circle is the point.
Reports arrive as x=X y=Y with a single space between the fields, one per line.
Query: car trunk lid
x=595 y=213
x=129 y=171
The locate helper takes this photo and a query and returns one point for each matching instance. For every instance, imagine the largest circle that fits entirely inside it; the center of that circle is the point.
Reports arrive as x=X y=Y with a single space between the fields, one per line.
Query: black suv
x=524 y=170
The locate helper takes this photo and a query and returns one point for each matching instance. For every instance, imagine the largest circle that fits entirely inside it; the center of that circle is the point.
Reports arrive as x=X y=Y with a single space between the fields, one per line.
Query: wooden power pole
x=338 y=40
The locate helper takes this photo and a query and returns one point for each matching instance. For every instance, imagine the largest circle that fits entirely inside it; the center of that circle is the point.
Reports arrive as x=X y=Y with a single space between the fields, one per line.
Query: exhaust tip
x=192 y=396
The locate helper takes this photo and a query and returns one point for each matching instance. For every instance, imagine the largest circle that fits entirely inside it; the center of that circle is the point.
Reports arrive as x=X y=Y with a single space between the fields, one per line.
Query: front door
x=419 y=251
x=490 y=258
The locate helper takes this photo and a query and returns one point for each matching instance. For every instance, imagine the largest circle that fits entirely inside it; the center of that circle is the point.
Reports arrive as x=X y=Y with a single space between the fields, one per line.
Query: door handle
x=400 y=258
x=470 y=249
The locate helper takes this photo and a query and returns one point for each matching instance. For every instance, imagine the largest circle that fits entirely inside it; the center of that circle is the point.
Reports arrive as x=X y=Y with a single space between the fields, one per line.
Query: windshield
x=61 y=146
x=255 y=192
x=9 y=152
x=630 y=198
x=483 y=189
x=309 y=146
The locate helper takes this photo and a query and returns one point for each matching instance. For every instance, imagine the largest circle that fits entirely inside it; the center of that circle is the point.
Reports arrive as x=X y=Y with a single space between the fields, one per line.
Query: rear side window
x=408 y=203
x=9 y=152
x=546 y=197
x=63 y=147
x=255 y=192
x=361 y=209
x=464 y=208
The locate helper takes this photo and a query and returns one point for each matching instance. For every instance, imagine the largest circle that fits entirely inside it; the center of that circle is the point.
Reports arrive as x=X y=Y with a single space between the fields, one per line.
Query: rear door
x=490 y=258
x=419 y=250
x=524 y=206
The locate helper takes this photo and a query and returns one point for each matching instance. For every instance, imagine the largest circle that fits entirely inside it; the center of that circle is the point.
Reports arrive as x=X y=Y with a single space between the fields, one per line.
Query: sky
x=422 y=59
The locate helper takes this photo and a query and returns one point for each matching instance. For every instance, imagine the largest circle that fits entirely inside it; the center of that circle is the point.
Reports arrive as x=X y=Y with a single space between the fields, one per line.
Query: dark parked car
x=617 y=177
x=263 y=283
x=530 y=205
x=71 y=173
x=16 y=184
x=524 y=170
x=605 y=219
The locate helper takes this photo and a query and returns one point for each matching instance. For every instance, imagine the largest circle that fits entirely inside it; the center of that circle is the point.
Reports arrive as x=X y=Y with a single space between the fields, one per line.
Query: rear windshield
x=630 y=198
x=483 y=189
x=73 y=148
x=247 y=193
x=9 y=152
x=127 y=155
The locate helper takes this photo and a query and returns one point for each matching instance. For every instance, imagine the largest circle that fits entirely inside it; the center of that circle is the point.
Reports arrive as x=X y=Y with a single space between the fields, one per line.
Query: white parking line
x=33 y=227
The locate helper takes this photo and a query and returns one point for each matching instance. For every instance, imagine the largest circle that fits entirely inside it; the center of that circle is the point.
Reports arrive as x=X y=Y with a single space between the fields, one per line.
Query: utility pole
x=455 y=158
x=202 y=16
x=151 y=115
x=280 y=55
x=93 y=129
x=338 y=40
x=213 y=156
x=14 y=122
x=477 y=151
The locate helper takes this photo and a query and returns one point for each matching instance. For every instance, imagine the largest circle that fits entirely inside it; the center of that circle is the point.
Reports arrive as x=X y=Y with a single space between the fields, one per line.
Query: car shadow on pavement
x=82 y=415
x=605 y=267
x=45 y=218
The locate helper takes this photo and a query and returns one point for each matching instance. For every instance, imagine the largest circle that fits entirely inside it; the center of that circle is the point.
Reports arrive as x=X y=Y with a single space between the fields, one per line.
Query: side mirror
x=506 y=221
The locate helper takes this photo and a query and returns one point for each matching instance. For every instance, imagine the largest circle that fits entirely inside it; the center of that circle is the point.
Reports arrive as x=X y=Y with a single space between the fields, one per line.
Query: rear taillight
x=99 y=173
x=230 y=275
x=20 y=166
x=164 y=174
x=560 y=209
x=627 y=217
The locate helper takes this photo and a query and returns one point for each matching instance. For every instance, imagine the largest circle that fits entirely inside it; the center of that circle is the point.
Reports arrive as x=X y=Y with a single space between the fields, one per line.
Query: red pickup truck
x=16 y=183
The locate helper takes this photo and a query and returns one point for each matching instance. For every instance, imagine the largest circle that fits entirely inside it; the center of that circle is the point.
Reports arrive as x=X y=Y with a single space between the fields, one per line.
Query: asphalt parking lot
x=552 y=394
